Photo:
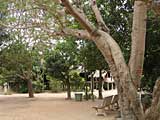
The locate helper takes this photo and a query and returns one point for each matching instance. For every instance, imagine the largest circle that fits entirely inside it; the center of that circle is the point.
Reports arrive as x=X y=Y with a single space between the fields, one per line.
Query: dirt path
x=47 y=107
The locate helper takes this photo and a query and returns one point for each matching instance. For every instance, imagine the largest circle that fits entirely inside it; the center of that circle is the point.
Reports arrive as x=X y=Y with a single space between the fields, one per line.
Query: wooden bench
x=108 y=102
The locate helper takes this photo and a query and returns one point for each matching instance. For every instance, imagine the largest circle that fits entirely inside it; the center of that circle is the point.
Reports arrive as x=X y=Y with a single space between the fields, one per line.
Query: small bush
x=56 y=85
x=23 y=88
x=89 y=96
x=38 y=86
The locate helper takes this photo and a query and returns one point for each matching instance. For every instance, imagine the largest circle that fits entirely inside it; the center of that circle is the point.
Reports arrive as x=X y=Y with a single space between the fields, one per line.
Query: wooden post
x=112 y=86
x=86 y=86
x=92 y=87
x=107 y=85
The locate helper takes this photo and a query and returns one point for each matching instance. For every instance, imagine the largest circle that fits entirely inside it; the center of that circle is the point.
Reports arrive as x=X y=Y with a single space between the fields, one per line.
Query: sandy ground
x=47 y=106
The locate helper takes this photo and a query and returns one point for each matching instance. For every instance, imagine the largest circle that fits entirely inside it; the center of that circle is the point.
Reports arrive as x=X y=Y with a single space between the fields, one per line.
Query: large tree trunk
x=138 y=42
x=100 y=96
x=135 y=63
x=68 y=88
x=127 y=80
x=30 y=88
x=153 y=113
x=130 y=105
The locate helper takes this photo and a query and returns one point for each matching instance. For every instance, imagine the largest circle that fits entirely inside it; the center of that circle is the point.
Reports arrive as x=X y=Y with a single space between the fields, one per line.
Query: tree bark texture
x=129 y=101
x=138 y=41
x=128 y=79
x=68 y=88
x=153 y=113
x=30 y=88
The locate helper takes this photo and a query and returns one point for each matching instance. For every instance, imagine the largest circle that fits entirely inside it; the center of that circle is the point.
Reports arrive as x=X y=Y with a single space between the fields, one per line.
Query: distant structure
x=108 y=81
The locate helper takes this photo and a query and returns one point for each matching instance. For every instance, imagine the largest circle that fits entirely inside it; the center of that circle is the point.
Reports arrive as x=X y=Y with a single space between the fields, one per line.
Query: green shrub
x=23 y=88
x=89 y=96
x=38 y=86
x=77 y=83
x=56 y=85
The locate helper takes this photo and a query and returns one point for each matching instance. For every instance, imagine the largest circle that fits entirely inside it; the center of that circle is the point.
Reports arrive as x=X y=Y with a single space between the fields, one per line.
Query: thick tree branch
x=155 y=5
x=153 y=113
x=98 y=15
x=82 y=34
x=156 y=93
x=79 y=16
x=20 y=76
x=138 y=41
